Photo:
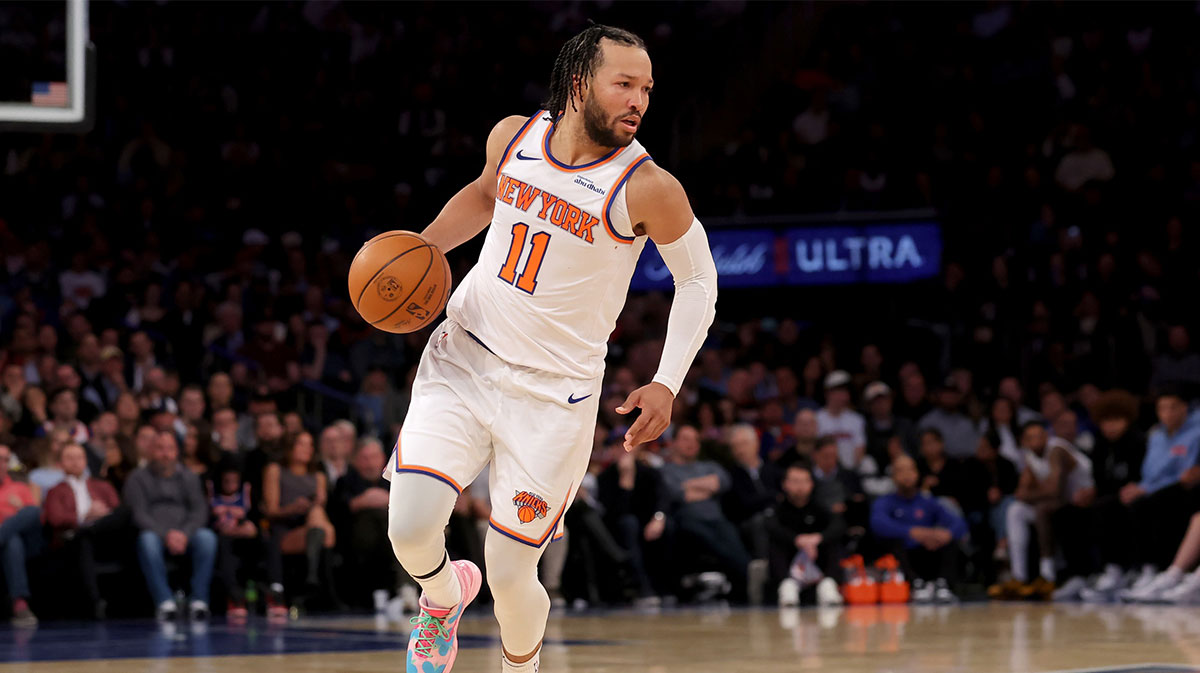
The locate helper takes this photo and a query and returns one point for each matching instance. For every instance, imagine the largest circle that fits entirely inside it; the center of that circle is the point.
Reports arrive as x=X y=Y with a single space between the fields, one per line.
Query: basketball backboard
x=47 y=83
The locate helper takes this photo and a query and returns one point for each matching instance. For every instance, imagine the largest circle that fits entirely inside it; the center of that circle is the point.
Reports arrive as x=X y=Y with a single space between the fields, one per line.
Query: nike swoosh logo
x=573 y=400
x=525 y=158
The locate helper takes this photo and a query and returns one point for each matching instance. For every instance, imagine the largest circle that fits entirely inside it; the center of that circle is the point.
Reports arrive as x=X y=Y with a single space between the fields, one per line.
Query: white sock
x=442 y=589
x=530 y=666
x=1046 y=569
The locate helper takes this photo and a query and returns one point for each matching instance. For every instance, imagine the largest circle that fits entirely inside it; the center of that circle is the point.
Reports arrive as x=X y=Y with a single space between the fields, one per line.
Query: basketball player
x=513 y=376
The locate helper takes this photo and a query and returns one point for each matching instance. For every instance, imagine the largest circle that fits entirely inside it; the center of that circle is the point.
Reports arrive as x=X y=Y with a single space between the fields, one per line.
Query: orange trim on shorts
x=401 y=468
x=508 y=532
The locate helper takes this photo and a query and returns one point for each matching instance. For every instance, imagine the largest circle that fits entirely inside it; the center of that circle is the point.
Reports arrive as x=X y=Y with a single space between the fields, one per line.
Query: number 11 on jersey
x=527 y=281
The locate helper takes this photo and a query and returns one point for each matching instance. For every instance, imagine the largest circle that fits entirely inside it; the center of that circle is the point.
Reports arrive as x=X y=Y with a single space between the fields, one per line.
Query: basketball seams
x=416 y=285
x=358 y=301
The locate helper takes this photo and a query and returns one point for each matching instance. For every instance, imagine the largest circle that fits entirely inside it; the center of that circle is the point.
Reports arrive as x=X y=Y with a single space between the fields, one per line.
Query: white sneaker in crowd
x=789 y=593
x=828 y=592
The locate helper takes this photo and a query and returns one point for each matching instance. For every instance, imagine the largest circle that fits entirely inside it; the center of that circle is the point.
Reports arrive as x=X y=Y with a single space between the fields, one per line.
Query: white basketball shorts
x=470 y=407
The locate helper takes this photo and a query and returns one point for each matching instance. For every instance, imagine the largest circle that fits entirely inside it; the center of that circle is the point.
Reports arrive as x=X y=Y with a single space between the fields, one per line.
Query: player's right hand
x=655 y=400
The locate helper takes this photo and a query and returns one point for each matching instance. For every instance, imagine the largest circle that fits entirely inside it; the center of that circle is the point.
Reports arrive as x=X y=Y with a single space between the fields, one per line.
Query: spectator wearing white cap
x=836 y=419
x=883 y=423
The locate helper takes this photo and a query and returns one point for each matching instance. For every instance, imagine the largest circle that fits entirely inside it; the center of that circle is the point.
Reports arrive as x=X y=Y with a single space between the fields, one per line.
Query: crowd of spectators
x=172 y=301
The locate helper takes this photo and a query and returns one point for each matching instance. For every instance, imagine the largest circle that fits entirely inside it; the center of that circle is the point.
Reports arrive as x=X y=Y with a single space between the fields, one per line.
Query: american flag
x=52 y=94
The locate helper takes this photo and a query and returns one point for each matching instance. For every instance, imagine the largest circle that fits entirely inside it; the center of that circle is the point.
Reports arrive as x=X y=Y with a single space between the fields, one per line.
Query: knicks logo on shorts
x=530 y=506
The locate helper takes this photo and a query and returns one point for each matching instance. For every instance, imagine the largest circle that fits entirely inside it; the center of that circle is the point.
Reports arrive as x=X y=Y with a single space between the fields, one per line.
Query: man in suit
x=82 y=511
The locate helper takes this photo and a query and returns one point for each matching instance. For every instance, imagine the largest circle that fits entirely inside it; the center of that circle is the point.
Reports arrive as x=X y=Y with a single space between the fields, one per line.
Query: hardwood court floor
x=984 y=638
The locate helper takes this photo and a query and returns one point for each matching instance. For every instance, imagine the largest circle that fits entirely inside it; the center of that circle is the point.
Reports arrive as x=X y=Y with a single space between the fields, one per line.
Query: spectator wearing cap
x=112 y=373
x=20 y=537
x=957 y=430
x=836 y=419
x=883 y=424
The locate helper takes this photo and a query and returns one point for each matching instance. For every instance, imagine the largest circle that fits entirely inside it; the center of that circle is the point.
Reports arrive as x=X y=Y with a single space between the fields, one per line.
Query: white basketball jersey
x=556 y=263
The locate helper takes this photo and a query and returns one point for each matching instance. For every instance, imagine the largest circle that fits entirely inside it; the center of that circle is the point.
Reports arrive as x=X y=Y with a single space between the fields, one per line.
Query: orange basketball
x=399 y=282
x=525 y=513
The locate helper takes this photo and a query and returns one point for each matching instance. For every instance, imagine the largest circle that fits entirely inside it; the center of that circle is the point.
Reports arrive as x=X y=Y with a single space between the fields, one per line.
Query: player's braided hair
x=580 y=57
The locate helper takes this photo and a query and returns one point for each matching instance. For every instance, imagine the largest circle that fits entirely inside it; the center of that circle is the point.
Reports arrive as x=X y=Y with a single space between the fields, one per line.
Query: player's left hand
x=655 y=400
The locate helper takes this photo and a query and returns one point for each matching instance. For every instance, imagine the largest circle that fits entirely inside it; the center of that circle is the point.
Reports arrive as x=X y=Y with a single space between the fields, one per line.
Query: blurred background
x=967 y=202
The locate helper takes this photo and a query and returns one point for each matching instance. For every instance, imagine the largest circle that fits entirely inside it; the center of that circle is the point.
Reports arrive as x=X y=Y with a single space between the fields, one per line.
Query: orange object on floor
x=893 y=586
x=859 y=588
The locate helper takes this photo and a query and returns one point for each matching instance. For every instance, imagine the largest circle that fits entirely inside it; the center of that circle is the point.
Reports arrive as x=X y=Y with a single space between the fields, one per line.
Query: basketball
x=399 y=282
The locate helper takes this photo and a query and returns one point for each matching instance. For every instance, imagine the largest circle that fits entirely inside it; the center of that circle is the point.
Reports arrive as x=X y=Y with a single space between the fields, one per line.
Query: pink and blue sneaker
x=433 y=644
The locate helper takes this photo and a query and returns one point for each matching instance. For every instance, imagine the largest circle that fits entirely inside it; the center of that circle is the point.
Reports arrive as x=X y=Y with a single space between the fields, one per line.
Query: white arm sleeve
x=694 y=307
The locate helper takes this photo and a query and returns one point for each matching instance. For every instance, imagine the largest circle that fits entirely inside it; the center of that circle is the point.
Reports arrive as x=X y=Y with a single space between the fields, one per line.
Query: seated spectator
x=635 y=509
x=64 y=415
x=838 y=490
x=362 y=496
x=941 y=476
x=48 y=472
x=753 y=489
x=803 y=441
x=336 y=445
x=294 y=497
x=988 y=483
x=1082 y=526
x=196 y=451
x=83 y=513
x=1002 y=420
x=923 y=535
x=798 y=525
x=1054 y=471
x=168 y=508
x=883 y=424
x=838 y=420
x=958 y=432
x=237 y=535
x=1175 y=584
x=1152 y=513
x=20 y=538
x=696 y=487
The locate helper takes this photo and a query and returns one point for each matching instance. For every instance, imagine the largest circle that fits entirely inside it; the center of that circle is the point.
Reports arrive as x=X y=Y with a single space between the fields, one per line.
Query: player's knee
x=407 y=532
x=511 y=572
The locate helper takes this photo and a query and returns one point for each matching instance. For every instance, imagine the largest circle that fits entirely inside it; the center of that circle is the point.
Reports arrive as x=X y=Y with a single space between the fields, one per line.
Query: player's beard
x=599 y=129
